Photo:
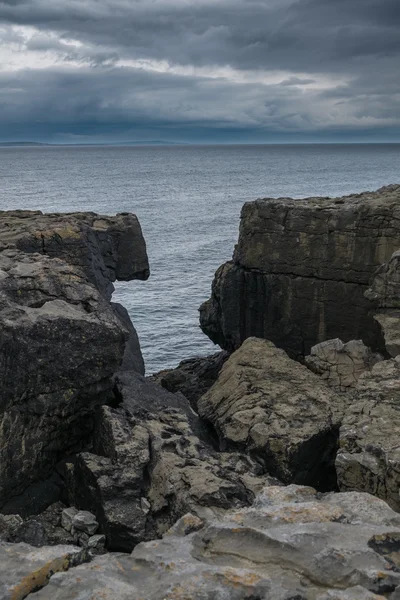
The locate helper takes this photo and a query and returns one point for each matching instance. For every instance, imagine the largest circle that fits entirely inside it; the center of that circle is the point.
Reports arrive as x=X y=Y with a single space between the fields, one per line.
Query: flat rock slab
x=24 y=569
x=292 y=543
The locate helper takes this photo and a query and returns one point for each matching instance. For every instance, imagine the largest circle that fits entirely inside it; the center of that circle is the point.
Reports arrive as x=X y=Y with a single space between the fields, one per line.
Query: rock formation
x=369 y=455
x=61 y=341
x=193 y=377
x=152 y=462
x=291 y=544
x=300 y=270
x=278 y=411
x=339 y=364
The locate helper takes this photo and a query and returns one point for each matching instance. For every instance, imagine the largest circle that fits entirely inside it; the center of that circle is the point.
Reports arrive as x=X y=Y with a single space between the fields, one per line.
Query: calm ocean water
x=188 y=200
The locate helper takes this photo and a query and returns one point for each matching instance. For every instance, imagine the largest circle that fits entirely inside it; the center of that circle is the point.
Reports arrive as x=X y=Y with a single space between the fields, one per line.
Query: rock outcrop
x=385 y=294
x=339 y=364
x=369 y=455
x=291 y=544
x=278 y=411
x=154 y=462
x=61 y=341
x=300 y=270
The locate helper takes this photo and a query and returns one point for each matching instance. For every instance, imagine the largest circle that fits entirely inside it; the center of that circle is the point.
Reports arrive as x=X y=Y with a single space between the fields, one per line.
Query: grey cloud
x=307 y=35
x=355 y=42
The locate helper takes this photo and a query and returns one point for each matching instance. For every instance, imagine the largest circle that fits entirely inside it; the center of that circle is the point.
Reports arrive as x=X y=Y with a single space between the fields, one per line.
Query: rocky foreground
x=268 y=471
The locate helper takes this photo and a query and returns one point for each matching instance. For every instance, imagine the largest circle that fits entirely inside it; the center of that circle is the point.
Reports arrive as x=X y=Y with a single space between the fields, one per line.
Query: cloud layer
x=193 y=69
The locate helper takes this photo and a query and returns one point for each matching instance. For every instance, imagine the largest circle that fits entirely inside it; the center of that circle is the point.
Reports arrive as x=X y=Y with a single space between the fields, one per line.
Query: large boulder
x=291 y=544
x=277 y=410
x=369 y=455
x=152 y=462
x=300 y=270
x=61 y=341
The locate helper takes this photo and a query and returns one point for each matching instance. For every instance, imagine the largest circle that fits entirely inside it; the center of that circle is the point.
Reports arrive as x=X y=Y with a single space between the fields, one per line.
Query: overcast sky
x=197 y=70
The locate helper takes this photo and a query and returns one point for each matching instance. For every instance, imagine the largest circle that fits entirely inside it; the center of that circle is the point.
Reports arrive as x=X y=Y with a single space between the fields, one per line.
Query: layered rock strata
x=300 y=270
x=61 y=341
x=291 y=544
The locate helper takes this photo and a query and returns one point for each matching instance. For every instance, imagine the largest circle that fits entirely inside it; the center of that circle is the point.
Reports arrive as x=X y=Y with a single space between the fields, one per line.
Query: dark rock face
x=151 y=464
x=300 y=270
x=61 y=341
x=192 y=377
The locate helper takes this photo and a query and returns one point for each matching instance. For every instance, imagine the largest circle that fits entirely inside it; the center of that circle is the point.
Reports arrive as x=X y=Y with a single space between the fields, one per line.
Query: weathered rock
x=278 y=411
x=61 y=341
x=300 y=270
x=192 y=377
x=86 y=522
x=153 y=465
x=106 y=248
x=385 y=294
x=25 y=569
x=67 y=518
x=369 y=455
x=292 y=544
x=339 y=364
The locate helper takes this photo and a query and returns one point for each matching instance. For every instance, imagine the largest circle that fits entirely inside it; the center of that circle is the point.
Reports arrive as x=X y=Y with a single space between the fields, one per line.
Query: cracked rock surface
x=61 y=341
x=369 y=453
x=339 y=364
x=293 y=543
x=154 y=463
x=278 y=411
x=300 y=270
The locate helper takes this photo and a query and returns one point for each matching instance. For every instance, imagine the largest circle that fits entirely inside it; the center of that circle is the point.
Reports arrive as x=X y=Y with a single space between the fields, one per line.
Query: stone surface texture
x=339 y=364
x=291 y=544
x=385 y=294
x=192 y=377
x=369 y=455
x=152 y=463
x=24 y=569
x=278 y=411
x=61 y=341
x=300 y=270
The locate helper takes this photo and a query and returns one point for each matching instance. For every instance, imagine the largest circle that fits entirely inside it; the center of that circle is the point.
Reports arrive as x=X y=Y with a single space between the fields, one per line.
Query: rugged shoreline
x=203 y=472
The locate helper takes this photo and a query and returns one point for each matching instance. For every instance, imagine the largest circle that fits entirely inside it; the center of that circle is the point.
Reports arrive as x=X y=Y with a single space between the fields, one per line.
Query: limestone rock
x=25 y=569
x=369 y=454
x=300 y=270
x=385 y=294
x=292 y=544
x=56 y=274
x=154 y=464
x=339 y=364
x=277 y=410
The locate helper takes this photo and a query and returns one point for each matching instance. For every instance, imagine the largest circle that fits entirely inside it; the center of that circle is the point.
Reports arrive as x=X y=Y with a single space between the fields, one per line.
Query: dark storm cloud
x=306 y=35
x=339 y=61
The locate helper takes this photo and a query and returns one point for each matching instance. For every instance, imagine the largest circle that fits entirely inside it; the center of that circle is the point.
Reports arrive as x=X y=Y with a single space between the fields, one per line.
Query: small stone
x=96 y=545
x=8 y=524
x=67 y=517
x=85 y=521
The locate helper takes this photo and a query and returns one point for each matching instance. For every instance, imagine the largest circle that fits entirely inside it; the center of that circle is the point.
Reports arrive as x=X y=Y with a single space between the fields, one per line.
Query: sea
x=188 y=200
